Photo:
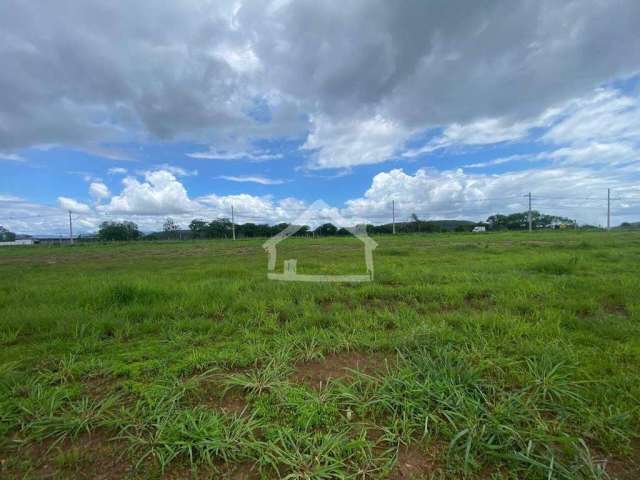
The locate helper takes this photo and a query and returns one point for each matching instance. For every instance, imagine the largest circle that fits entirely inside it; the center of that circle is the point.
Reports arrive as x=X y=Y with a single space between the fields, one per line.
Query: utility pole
x=70 y=229
x=530 y=226
x=608 y=209
x=393 y=215
x=233 y=223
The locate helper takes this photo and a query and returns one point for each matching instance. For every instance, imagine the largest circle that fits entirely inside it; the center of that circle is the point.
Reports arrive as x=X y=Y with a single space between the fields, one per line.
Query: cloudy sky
x=453 y=109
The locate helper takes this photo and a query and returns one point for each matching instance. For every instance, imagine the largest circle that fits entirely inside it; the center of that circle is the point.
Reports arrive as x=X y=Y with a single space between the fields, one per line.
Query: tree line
x=520 y=221
x=223 y=228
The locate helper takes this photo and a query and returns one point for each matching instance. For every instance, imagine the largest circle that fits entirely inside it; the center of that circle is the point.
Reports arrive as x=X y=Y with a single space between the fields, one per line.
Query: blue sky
x=270 y=106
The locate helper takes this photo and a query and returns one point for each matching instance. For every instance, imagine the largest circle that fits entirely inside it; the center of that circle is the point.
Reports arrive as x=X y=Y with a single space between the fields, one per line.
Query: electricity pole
x=393 y=215
x=233 y=223
x=70 y=229
x=608 y=209
x=530 y=227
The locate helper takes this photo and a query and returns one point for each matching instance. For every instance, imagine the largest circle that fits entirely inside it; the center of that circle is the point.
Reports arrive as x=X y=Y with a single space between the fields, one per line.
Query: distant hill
x=628 y=226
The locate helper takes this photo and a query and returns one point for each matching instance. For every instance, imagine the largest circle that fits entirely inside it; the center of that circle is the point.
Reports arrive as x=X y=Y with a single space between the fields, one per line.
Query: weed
x=9 y=336
x=259 y=380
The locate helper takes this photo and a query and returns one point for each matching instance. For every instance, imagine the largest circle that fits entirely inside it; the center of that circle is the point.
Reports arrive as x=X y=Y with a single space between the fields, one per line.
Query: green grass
x=498 y=356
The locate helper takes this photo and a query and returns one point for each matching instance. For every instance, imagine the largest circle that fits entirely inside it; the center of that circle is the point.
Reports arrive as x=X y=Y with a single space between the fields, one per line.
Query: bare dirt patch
x=623 y=468
x=340 y=366
x=243 y=471
x=231 y=402
x=210 y=394
x=99 y=386
x=413 y=462
x=239 y=471
x=92 y=456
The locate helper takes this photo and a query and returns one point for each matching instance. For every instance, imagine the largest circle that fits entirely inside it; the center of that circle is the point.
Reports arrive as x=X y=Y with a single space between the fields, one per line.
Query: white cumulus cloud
x=565 y=190
x=349 y=143
x=159 y=194
x=99 y=191
x=73 y=205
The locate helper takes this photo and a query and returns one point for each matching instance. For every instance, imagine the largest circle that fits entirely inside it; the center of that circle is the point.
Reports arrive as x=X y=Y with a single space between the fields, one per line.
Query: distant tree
x=254 y=230
x=303 y=231
x=170 y=225
x=326 y=229
x=248 y=230
x=279 y=227
x=586 y=226
x=416 y=221
x=198 y=228
x=432 y=227
x=6 y=235
x=387 y=228
x=520 y=221
x=118 y=231
x=219 y=228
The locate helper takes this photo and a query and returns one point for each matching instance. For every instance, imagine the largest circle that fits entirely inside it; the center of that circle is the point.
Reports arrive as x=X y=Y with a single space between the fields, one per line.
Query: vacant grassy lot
x=478 y=356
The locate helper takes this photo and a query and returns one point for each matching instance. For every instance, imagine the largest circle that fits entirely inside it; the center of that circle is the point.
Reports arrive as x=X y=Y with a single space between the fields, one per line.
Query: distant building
x=479 y=229
x=558 y=224
x=28 y=241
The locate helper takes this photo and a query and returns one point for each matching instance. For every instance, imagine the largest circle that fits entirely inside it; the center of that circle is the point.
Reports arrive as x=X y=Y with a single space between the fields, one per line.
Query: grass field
x=470 y=356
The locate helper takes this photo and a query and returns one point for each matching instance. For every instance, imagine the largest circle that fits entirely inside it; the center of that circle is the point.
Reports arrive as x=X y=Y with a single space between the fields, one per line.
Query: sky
x=446 y=109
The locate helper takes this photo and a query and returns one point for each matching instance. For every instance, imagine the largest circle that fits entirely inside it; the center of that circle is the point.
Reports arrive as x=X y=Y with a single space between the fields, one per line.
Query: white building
x=28 y=241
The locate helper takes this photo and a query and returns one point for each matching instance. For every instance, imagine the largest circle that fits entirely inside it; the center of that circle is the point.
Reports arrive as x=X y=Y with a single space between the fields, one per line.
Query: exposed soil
x=99 y=386
x=94 y=456
x=231 y=402
x=625 y=468
x=241 y=471
x=210 y=395
x=316 y=373
x=97 y=456
x=413 y=463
